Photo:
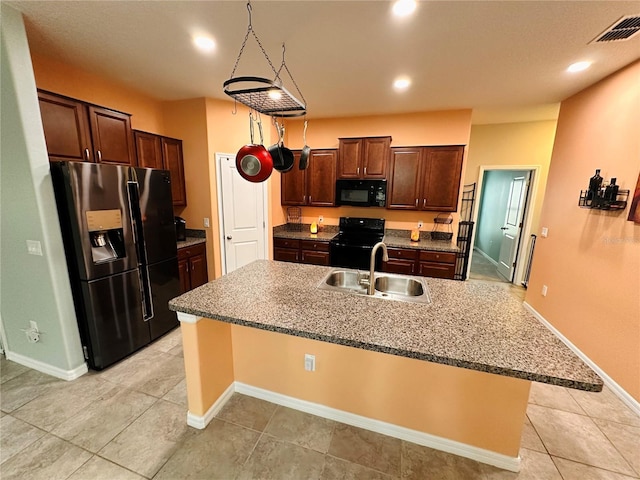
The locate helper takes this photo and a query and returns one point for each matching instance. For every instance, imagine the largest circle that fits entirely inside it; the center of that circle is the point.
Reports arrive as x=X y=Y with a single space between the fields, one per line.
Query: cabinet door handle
x=304 y=199
x=365 y=170
x=86 y=154
x=416 y=203
x=358 y=171
x=99 y=155
x=424 y=202
x=309 y=198
x=187 y=265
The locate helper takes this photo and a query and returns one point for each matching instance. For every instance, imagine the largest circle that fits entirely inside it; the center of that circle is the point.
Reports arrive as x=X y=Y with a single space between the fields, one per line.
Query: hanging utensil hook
x=249 y=10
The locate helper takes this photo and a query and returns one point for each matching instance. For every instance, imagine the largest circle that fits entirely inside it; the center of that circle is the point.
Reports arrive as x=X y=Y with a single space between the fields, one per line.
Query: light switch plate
x=34 y=247
x=206 y=223
x=544 y=232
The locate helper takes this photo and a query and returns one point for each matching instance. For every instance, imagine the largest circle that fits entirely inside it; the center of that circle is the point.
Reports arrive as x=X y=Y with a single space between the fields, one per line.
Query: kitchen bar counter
x=470 y=325
x=453 y=375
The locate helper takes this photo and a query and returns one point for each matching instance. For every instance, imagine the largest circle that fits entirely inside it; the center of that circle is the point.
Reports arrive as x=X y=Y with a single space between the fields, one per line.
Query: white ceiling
x=504 y=59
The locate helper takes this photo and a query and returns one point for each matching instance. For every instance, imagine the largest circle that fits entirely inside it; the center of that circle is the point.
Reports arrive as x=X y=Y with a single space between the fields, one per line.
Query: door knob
x=503 y=228
x=229 y=237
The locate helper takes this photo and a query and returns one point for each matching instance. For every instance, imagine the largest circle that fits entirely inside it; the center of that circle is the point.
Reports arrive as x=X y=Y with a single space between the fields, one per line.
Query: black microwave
x=361 y=193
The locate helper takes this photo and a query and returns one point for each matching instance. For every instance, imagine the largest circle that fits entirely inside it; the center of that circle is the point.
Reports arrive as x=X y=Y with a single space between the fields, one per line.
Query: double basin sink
x=387 y=286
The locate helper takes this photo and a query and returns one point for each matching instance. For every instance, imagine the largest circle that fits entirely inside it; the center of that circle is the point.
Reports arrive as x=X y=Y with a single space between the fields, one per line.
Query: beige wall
x=424 y=128
x=187 y=120
x=54 y=76
x=591 y=259
x=527 y=143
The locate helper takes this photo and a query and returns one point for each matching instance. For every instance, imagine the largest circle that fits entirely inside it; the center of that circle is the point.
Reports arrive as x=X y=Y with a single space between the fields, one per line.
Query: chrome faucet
x=372 y=265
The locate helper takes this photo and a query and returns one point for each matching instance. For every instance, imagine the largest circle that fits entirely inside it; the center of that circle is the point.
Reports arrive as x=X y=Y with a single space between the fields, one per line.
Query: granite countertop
x=392 y=238
x=473 y=325
x=190 y=242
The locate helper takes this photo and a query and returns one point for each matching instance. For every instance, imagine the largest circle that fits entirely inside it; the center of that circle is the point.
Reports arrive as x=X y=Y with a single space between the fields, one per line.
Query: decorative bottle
x=611 y=192
x=595 y=183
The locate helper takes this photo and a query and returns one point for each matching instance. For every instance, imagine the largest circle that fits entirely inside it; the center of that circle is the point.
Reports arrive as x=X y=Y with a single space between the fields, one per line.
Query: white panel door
x=512 y=227
x=243 y=217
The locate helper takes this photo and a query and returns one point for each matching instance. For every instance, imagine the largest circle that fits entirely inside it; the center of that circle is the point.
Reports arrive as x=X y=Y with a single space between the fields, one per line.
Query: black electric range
x=352 y=247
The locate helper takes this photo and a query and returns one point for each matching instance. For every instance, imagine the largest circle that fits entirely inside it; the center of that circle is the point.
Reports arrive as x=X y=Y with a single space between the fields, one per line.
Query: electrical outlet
x=33 y=325
x=309 y=362
x=34 y=247
x=544 y=290
x=420 y=223
x=206 y=223
x=544 y=232
x=320 y=219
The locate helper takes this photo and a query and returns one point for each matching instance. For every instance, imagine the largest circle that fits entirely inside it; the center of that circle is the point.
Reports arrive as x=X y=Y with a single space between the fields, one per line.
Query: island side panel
x=467 y=406
x=208 y=362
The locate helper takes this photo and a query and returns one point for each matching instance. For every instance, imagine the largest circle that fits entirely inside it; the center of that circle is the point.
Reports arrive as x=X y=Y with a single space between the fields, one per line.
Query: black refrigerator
x=120 y=243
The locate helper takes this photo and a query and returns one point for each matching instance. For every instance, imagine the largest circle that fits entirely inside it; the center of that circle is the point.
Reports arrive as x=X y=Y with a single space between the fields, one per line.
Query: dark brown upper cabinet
x=156 y=151
x=363 y=158
x=78 y=131
x=425 y=178
x=316 y=185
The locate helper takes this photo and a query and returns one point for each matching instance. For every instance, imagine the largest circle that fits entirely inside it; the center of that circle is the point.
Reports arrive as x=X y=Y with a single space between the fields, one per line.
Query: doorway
x=243 y=213
x=503 y=220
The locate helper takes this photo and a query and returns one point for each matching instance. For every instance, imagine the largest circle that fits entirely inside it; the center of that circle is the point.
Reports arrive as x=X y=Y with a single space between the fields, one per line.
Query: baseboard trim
x=46 y=368
x=201 y=421
x=476 y=249
x=457 y=448
x=620 y=392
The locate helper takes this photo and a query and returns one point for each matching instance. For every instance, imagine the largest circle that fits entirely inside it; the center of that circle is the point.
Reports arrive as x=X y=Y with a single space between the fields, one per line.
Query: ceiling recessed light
x=275 y=94
x=578 y=66
x=402 y=8
x=401 y=83
x=204 y=44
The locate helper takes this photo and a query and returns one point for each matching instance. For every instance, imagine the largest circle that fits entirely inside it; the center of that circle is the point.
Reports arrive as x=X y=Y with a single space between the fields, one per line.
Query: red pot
x=254 y=163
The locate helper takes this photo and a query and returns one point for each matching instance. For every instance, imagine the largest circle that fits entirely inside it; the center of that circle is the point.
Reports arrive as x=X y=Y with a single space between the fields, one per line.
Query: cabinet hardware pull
x=416 y=202
x=365 y=170
x=187 y=266
x=99 y=153
x=358 y=171
x=86 y=154
x=309 y=198
x=304 y=199
x=424 y=203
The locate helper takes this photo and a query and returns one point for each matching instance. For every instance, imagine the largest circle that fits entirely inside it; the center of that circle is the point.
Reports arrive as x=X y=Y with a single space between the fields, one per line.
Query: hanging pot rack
x=263 y=95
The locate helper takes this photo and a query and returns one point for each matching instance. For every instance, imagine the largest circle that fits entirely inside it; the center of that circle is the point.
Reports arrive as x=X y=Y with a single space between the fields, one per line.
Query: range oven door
x=349 y=255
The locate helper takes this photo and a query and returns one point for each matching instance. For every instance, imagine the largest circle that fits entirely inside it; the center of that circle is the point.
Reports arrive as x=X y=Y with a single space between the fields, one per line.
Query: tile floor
x=129 y=422
x=483 y=269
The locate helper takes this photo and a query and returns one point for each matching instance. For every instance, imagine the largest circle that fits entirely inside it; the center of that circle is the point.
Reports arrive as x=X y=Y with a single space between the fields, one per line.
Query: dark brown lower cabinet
x=192 y=265
x=427 y=263
x=437 y=264
x=286 y=250
x=301 y=251
x=401 y=261
x=316 y=253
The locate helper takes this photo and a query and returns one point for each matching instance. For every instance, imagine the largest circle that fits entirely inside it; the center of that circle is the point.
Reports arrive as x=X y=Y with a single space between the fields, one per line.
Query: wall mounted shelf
x=600 y=203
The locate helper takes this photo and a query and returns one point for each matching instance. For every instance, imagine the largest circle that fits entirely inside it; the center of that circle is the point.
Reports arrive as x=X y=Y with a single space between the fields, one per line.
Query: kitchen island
x=453 y=374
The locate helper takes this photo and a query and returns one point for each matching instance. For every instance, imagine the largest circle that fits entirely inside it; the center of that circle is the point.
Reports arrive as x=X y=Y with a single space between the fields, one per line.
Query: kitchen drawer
x=286 y=243
x=440 y=257
x=286 y=254
x=314 y=245
x=405 y=267
x=402 y=253
x=187 y=252
x=315 y=258
x=438 y=270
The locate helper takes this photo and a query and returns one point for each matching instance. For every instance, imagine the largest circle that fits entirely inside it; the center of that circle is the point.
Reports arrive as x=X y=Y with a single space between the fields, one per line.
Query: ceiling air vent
x=623 y=29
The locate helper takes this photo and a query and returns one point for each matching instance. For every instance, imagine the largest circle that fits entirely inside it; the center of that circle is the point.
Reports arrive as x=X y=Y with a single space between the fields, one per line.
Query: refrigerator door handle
x=138 y=235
